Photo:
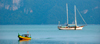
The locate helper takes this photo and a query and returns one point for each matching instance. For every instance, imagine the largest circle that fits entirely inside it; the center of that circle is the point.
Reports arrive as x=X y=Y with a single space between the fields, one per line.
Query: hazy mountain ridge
x=48 y=11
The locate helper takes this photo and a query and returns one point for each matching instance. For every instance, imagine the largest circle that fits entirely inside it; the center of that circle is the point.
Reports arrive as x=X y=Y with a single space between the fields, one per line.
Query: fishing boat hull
x=71 y=28
x=23 y=38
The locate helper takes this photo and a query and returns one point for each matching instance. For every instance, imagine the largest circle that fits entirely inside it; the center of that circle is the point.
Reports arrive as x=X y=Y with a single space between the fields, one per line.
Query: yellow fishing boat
x=24 y=37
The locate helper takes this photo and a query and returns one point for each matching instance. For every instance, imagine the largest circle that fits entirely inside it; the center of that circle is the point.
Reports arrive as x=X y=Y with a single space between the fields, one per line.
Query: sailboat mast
x=67 y=12
x=75 y=15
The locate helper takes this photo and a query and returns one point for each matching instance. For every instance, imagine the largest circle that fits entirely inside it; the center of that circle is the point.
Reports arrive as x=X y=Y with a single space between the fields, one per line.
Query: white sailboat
x=68 y=27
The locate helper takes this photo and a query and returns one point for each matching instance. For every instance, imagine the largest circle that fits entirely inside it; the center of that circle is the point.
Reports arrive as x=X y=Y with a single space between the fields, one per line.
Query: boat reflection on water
x=23 y=41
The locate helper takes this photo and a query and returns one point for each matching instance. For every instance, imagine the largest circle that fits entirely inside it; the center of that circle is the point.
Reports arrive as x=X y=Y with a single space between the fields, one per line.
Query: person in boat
x=66 y=24
x=27 y=32
x=26 y=35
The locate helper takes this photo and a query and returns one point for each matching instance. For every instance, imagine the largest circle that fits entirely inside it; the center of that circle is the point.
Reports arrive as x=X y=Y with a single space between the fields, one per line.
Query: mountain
x=48 y=11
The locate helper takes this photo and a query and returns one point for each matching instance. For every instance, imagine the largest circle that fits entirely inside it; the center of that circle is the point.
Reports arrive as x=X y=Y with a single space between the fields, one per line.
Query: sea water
x=49 y=34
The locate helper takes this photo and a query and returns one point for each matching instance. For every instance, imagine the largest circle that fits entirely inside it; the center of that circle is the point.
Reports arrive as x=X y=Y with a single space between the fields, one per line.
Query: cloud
x=7 y=6
x=96 y=7
x=31 y=11
x=85 y=11
x=15 y=8
x=12 y=5
x=16 y=4
x=26 y=10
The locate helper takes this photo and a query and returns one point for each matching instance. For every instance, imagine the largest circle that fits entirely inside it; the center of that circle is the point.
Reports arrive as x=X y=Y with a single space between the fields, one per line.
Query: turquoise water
x=49 y=34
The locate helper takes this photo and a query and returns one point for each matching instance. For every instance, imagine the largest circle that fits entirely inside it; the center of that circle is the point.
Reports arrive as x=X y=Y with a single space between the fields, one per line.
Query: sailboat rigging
x=68 y=27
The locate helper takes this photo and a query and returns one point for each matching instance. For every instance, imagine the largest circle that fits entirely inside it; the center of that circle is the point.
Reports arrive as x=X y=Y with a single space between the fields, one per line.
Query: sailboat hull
x=70 y=28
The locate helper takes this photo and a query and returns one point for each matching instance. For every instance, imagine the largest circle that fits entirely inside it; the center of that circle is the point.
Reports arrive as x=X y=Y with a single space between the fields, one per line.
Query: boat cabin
x=25 y=35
